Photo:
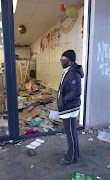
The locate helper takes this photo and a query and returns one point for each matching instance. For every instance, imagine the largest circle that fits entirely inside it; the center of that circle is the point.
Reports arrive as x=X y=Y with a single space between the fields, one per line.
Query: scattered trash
x=31 y=147
x=83 y=133
x=32 y=166
x=30 y=108
x=108 y=166
x=104 y=135
x=18 y=144
x=36 y=109
x=35 y=123
x=77 y=176
x=26 y=114
x=90 y=139
x=90 y=131
x=47 y=124
x=63 y=135
x=40 y=141
x=45 y=130
x=98 y=177
x=10 y=141
x=52 y=129
x=31 y=131
x=59 y=134
x=35 y=144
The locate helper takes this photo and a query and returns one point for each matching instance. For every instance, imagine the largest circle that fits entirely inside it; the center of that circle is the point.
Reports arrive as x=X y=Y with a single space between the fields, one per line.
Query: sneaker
x=64 y=162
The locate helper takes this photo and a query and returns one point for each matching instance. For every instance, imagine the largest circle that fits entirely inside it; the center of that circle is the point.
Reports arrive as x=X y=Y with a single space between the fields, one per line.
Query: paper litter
x=35 y=144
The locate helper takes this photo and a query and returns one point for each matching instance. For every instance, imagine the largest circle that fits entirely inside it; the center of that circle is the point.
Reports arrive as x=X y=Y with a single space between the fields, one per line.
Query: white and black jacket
x=68 y=99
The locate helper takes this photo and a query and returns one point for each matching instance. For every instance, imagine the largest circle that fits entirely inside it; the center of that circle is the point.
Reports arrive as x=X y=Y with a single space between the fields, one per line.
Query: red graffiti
x=82 y=25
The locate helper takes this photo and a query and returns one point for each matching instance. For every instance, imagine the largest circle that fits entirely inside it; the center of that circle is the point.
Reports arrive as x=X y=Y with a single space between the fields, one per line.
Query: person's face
x=65 y=62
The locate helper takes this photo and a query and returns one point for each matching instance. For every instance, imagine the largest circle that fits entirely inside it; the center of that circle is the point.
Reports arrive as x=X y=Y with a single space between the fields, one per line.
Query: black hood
x=77 y=68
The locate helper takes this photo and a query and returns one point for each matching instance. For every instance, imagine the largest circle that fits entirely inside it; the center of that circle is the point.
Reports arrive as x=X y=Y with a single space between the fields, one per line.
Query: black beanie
x=70 y=54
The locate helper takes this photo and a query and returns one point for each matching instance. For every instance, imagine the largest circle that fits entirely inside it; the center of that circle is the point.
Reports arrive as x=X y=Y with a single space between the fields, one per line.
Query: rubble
x=37 y=110
x=104 y=135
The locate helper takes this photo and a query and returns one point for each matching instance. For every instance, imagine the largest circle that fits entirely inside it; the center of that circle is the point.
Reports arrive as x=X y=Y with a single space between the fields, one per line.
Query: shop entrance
x=33 y=44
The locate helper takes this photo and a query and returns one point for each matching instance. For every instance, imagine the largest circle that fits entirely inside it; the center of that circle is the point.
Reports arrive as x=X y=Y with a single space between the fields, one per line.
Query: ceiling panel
x=22 y=19
x=48 y=9
x=53 y=1
x=38 y=16
x=59 y=2
x=26 y=7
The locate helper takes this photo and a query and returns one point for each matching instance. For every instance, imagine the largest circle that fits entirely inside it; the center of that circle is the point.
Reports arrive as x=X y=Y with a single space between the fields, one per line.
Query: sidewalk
x=16 y=165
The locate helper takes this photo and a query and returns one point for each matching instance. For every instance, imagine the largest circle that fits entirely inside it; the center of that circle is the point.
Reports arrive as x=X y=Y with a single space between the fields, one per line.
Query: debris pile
x=104 y=135
x=37 y=110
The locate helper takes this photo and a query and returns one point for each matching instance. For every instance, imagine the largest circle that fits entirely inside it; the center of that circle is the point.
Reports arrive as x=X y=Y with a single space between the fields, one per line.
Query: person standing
x=68 y=102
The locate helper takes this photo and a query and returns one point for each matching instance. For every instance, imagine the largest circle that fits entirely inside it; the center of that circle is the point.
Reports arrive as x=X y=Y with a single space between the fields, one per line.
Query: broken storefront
x=38 y=72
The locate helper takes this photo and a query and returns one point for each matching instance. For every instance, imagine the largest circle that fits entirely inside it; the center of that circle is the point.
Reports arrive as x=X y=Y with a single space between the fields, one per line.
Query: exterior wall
x=98 y=98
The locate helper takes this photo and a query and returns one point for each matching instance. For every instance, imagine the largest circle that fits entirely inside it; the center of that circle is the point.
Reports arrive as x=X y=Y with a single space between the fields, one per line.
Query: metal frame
x=10 y=71
x=85 y=90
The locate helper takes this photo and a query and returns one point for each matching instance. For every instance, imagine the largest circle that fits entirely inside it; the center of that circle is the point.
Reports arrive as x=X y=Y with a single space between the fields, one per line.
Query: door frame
x=10 y=70
x=11 y=84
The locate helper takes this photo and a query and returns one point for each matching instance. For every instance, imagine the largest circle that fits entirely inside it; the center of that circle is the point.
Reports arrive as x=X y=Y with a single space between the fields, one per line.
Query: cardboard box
x=25 y=114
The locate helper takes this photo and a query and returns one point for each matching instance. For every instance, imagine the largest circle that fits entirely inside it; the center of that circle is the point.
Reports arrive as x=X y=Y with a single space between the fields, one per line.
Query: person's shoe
x=65 y=154
x=64 y=162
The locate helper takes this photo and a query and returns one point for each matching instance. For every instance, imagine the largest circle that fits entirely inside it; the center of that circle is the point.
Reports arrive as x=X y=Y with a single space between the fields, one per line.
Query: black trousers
x=72 y=139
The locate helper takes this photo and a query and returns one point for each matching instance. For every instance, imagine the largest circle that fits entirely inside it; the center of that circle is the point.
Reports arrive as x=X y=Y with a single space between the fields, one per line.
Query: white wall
x=1 y=58
x=1 y=55
x=23 y=52
x=48 y=63
x=74 y=36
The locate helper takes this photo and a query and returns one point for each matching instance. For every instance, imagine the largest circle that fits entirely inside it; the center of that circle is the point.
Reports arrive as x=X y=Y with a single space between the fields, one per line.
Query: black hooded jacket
x=70 y=90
